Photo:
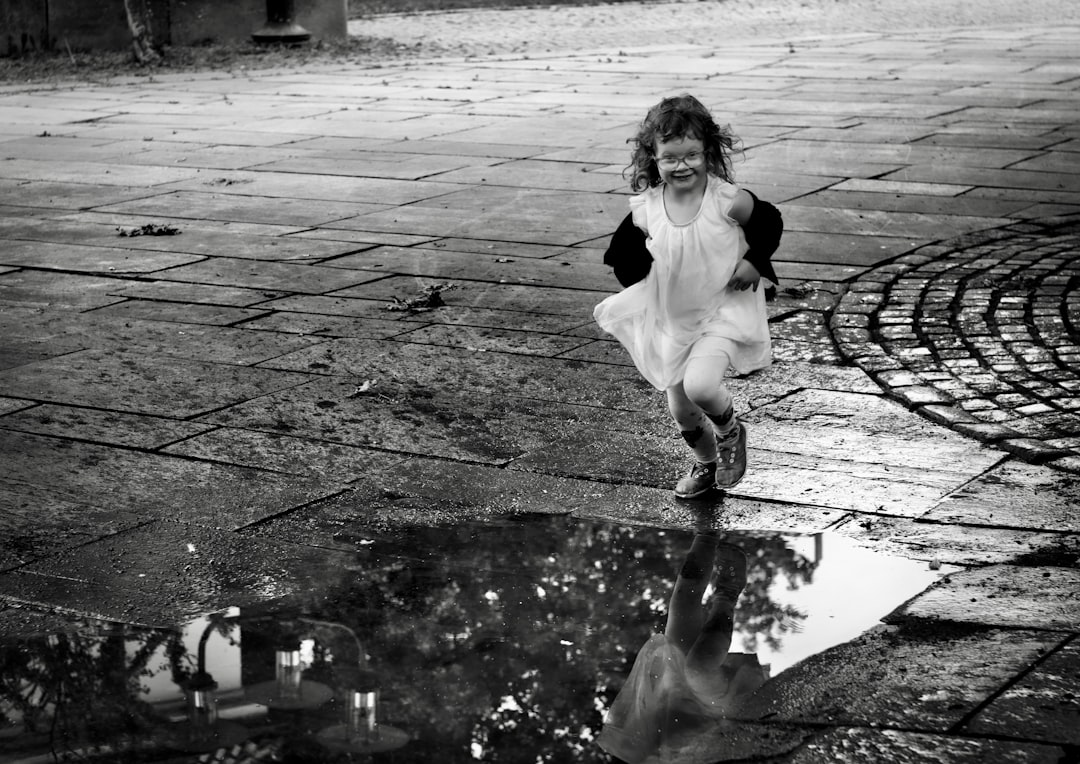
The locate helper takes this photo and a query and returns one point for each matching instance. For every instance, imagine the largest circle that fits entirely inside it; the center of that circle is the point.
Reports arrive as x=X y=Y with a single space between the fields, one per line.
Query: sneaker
x=700 y=478
x=729 y=575
x=732 y=460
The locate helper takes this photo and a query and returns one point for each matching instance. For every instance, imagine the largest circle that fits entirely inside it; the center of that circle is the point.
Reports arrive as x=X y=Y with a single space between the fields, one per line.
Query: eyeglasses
x=693 y=159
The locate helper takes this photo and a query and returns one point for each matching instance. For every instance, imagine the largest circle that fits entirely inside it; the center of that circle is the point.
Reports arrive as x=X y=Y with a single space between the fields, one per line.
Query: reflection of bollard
x=202 y=707
x=362 y=723
x=280 y=26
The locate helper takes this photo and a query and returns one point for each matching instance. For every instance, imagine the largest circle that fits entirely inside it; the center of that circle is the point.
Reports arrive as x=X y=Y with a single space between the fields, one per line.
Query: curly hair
x=679 y=117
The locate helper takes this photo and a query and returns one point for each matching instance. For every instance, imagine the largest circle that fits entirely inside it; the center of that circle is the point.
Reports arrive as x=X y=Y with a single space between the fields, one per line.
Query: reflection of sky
x=853 y=588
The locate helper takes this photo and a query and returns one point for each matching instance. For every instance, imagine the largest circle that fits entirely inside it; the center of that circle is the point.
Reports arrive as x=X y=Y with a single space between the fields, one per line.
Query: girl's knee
x=707 y=393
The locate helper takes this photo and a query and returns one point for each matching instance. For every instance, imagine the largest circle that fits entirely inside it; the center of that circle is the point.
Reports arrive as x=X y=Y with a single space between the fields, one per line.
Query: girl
x=686 y=680
x=692 y=253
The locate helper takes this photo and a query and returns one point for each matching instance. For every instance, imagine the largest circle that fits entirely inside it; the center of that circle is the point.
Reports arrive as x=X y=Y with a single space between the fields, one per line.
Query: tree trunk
x=142 y=31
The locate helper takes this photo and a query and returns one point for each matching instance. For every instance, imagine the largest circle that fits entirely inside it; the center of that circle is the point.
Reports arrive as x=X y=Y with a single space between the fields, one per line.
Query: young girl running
x=691 y=254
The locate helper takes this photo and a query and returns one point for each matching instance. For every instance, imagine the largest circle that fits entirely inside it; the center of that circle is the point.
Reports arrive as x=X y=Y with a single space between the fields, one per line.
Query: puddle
x=501 y=641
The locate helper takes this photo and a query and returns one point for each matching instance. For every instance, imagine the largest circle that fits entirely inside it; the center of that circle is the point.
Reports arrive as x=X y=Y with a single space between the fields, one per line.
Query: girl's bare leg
x=704 y=388
x=714 y=641
x=686 y=616
x=693 y=424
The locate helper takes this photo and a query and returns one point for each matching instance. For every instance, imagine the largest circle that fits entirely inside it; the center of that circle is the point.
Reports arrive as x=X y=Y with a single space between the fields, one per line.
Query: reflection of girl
x=685 y=680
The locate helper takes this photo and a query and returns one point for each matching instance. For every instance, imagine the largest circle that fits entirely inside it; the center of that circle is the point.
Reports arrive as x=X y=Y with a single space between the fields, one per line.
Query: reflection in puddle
x=500 y=641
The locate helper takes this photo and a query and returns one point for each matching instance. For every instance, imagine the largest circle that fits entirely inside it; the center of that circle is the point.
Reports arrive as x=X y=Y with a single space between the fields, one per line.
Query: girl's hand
x=746 y=276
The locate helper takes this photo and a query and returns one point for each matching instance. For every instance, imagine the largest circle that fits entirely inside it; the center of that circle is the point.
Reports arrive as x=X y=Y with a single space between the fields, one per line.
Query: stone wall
x=29 y=25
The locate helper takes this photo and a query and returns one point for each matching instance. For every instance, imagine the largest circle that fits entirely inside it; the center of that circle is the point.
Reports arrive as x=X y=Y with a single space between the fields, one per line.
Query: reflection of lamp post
x=201 y=706
x=204 y=732
x=362 y=732
x=280 y=26
x=289 y=691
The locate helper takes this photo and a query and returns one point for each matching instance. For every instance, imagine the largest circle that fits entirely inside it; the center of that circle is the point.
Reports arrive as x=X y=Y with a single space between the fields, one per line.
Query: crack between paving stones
x=957 y=729
x=264 y=520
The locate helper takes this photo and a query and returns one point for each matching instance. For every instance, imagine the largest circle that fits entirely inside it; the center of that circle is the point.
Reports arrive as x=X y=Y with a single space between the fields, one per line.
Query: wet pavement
x=274 y=342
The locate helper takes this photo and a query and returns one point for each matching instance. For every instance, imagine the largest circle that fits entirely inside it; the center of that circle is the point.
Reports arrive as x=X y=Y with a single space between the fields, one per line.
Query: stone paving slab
x=191 y=238
x=411 y=418
x=310 y=184
x=31 y=290
x=36 y=525
x=325 y=326
x=891 y=195
x=864 y=428
x=529 y=216
x=909 y=678
x=88 y=259
x=163 y=572
x=414 y=491
x=884 y=223
x=403 y=366
x=484 y=339
x=867 y=746
x=1002 y=595
x=152 y=485
x=1014 y=495
x=59 y=334
x=67 y=196
x=105 y=427
x=292 y=277
x=230 y=207
x=313 y=458
x=103 y=173
x=556 y=301
x=1042 y=706
x=960 y=544
x=375 y=165
x=142 y=384
x=191 y=294
x=211 y=315
x=836 y=483
x=444 y=263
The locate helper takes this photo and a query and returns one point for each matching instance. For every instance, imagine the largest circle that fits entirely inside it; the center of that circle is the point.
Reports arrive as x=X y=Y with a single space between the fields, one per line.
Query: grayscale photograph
x=576 y=382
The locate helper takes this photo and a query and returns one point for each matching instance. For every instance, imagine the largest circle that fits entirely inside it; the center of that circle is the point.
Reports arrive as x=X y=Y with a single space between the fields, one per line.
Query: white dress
x=686 y=296
x=659 y=717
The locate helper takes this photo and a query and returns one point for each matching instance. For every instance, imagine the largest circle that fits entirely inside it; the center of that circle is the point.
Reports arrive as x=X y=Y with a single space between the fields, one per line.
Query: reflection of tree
x=79 y=691
x=758 y=616
x=498 y=640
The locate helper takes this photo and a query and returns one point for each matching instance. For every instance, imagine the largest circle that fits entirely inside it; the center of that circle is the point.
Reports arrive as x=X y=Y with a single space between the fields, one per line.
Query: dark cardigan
x=631 y=260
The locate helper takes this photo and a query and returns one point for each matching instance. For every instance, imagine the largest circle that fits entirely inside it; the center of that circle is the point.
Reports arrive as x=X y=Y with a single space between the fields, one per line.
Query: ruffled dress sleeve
x=639 y=212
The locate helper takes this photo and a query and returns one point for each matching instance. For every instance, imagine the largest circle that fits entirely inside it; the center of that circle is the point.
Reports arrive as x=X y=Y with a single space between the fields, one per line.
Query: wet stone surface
x=864 y=746
x=141 y=384
x=1042 y=705
x=1003 y=595
x=981 y=333
x=1014 y=495
x=908 y=677
x=152 y=485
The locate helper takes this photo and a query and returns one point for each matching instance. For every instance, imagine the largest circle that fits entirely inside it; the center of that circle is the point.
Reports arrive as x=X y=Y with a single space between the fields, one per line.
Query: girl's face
x=681 y=163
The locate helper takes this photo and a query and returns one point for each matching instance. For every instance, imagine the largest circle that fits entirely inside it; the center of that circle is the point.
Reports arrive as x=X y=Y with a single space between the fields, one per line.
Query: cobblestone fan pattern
x=981 y=333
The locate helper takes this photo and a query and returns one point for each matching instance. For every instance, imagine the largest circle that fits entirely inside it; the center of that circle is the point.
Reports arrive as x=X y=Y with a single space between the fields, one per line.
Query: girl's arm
x=762 y=225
